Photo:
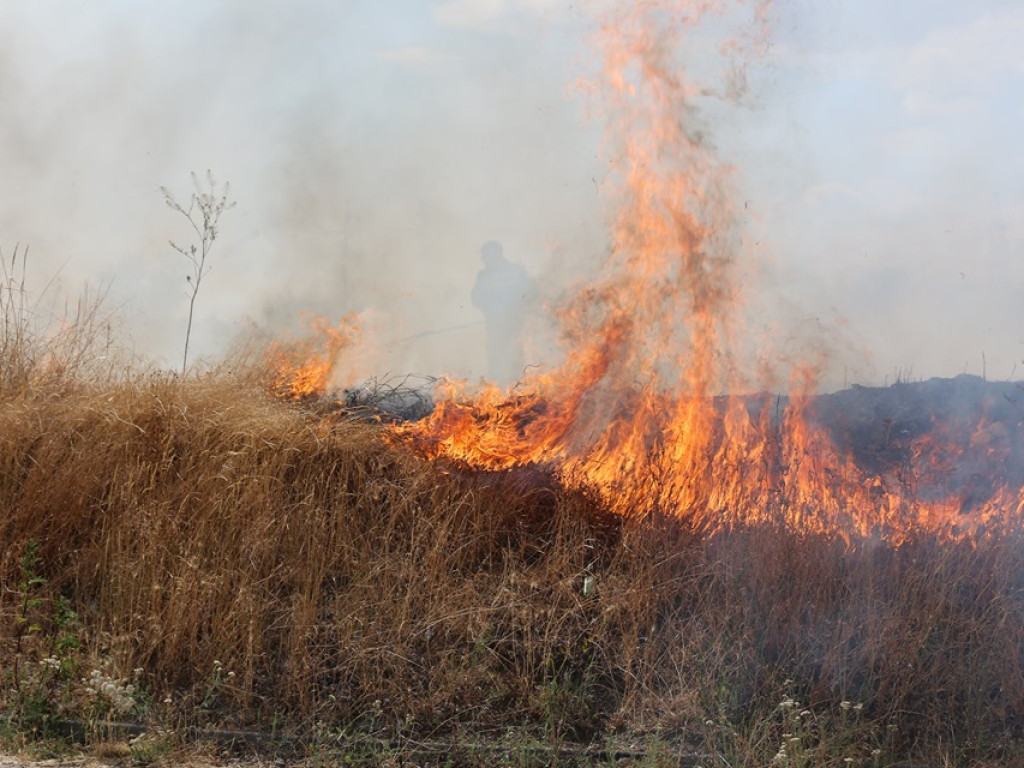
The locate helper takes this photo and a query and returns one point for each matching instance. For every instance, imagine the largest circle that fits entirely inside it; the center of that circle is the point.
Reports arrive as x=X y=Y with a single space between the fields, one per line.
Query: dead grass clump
x=206 y=533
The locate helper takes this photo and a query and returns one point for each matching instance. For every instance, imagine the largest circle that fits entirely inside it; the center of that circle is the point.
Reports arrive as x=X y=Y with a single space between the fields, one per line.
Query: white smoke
x=373 y=148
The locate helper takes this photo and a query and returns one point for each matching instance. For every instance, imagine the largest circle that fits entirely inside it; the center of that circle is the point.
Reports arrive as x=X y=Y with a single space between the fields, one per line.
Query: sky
x=372 y=147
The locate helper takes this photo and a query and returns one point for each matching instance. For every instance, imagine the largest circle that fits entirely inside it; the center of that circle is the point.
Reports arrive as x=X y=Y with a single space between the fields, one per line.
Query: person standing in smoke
x=503 y=292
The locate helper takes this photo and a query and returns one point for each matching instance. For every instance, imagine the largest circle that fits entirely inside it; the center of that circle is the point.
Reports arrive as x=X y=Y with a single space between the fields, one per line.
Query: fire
x=302 y=368
x=635 y=413
x=632 y=412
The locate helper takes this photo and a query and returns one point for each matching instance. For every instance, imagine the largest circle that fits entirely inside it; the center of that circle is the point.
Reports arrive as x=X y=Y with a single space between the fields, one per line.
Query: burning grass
x=245 y=562
x=612 y=553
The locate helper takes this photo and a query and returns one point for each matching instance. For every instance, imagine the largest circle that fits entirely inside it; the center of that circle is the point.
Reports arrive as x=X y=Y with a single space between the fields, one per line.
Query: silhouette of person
x=503 y=291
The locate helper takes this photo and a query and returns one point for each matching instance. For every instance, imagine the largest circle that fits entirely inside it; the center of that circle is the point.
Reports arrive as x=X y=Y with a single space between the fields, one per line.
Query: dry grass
x=260 y=563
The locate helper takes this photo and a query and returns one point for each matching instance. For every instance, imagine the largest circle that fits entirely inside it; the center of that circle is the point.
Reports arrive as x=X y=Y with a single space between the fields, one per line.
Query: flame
x=632 y=405
x=632 y=414
x=302 y=368
x=636 y=412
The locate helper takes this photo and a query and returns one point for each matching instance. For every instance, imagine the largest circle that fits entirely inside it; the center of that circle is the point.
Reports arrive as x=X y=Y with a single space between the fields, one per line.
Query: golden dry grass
x=264 y=563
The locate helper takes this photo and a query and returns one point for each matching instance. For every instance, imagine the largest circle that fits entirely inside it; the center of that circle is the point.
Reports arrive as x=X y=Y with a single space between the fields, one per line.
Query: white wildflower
x=118 y=695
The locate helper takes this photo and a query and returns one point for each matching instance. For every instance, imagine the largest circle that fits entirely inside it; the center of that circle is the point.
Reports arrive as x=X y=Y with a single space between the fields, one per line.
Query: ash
x=390 y=400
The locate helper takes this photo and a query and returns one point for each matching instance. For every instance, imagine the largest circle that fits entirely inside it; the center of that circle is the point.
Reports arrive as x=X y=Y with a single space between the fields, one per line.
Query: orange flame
x=303 y=367
x=632 y=413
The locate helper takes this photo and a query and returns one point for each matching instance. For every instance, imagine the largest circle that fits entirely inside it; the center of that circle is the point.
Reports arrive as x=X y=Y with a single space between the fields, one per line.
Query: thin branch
x=203 y=213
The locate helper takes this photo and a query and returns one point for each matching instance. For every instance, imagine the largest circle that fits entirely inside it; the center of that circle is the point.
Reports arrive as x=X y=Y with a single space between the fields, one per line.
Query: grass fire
x=669 y=548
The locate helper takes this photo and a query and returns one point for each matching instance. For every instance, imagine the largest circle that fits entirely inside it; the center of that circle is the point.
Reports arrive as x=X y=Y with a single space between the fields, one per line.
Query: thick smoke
x=374 y=148
x=371 y=152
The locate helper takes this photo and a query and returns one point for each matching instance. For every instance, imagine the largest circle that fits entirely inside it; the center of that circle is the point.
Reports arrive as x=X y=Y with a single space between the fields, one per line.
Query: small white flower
x=845 y=704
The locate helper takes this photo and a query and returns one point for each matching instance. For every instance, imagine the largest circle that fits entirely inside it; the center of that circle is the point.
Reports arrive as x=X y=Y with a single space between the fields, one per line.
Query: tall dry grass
x=46 y=349
x=265 y=563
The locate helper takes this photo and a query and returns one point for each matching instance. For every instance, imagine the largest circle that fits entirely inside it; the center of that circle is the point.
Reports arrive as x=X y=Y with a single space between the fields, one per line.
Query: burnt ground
x=963 y=435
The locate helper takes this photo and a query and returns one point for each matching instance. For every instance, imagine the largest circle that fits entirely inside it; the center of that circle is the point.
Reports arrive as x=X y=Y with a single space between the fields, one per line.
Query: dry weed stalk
x=203 y=212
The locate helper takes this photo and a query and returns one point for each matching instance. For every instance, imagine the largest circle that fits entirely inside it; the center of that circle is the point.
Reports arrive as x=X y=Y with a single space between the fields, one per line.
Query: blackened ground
x=963 y=435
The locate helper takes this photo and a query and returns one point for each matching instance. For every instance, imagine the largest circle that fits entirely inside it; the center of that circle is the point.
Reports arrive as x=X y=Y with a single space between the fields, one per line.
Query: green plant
x=203 y=211
x=151 y=746
x=796 y=741
x=658 y=752
x=46 y=641
x=65 y=638
x=108 y=695
x=215 y=687
x=30 y=695
x=29 y=601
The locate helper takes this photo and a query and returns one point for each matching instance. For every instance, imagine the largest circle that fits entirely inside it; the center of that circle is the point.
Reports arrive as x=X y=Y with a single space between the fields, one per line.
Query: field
x=194 y=553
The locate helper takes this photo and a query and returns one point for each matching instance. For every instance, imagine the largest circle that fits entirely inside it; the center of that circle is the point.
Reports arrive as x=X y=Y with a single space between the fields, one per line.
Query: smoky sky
x=373 y=147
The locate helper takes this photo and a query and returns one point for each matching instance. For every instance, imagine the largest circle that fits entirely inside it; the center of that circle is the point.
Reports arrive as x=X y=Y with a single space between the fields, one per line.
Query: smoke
x=895 y=212
x=373 y=148
x=371 y=152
